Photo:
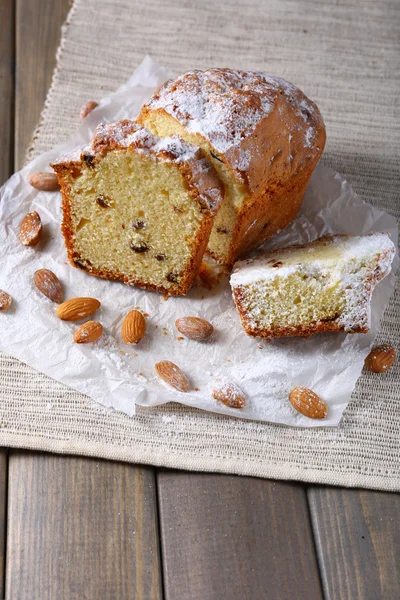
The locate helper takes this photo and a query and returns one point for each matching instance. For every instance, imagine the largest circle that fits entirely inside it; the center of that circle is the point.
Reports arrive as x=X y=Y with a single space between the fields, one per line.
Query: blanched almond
x=133 y=327
x=5 y=300
x=77 y=308
x=230 y=394
x=49 y=284
x=87 y=108
x=308 y=403
x=172 y=375
x=46 y=182
x=194 y=328
x=30 y=230
x=88 y=332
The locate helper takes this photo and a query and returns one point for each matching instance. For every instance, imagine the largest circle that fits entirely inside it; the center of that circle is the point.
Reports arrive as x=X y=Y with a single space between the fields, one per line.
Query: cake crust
x=203 y=186
x=267 y=134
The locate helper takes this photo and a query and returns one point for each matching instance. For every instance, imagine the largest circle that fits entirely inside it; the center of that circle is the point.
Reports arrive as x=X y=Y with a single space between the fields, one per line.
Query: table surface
x=79 y=528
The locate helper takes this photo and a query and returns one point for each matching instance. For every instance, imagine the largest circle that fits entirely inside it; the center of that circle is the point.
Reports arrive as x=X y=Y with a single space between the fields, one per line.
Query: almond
x=172 y=375
x=88 y=332
x=381 y=358
x=77 y=308
x=5 y=300
x=49 y=284
x=47 y=182
x=230 y=394
x=194 y=328
x=30 y=230
x=308 y=403
x=87 y=108
x=133 y=327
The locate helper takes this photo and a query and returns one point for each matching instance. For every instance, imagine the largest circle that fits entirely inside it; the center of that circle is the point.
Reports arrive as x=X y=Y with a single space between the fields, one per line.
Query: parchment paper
x=117 y=375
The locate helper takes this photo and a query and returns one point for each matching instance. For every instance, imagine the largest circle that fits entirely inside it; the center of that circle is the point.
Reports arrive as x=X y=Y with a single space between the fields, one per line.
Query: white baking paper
x=119 y=376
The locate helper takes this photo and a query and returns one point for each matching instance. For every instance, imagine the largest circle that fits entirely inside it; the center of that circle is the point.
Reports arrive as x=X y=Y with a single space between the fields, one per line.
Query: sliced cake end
x=325 y=285
x=138 y=208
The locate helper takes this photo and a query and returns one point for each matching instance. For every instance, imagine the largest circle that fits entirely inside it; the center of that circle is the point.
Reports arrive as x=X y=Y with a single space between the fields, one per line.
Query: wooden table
x=81 y=529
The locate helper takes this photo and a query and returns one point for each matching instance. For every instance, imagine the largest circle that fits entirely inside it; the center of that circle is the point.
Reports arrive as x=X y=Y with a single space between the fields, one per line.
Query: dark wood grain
x=235 y=537
x=7 y=63
x=80 y=529
x=6 y=88
x=38 y=24
x=357 y=535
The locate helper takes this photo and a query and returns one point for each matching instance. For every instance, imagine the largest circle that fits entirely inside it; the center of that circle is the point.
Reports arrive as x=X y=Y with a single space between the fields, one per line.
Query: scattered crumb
x=180 y=338
x=134 y=354
x=156 y=326
x=164 y=332
x=206 y=277
x=122 y=353
x=228 y=360
x=196 y=389
x=145 y=314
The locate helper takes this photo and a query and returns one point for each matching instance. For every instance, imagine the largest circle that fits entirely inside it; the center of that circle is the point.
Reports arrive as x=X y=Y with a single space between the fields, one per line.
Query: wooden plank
x=77 y=528
x=7 y=63
x=6 y=88
x=357 y=535
x=81 y=528
x=38 y=25
x=235 y=537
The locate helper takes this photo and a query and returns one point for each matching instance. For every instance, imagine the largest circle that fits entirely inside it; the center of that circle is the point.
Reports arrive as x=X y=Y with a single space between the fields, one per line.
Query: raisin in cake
x=322 y=286
x=264 y=137
x=137 y=208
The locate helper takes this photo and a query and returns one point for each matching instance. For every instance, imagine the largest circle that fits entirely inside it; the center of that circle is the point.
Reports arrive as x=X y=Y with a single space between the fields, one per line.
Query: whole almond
x=30 y=230
x=381 y=358
x=49 y=284
x=5 y=300
x=308 y=403
x=77 y=308
x=133 y=327
x=87 y=108
x=194 y=328
x=46 y=182
x=230 y=394
x=172 y=375
x=88 y=332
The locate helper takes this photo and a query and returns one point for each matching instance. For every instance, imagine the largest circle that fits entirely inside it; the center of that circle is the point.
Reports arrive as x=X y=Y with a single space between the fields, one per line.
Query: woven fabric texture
x=345 y=56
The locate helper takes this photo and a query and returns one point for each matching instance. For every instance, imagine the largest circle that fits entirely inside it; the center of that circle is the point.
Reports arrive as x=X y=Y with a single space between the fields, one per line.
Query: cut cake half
x=325 y=285
x=138 y=208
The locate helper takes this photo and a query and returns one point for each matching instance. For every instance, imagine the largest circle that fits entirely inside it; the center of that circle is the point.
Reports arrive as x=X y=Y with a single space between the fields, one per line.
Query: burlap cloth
x=346 y=57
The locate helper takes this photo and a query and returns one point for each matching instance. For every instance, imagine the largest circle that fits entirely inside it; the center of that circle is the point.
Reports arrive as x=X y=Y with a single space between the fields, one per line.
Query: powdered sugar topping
x=225 y=105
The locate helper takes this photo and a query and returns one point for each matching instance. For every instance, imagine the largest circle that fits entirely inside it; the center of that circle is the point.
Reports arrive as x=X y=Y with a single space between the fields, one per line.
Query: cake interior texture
x=323 y=286
x=133 y=218
x=220 y=240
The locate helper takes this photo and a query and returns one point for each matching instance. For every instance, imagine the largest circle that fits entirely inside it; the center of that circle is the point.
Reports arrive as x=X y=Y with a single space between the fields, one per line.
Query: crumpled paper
x=118 y=375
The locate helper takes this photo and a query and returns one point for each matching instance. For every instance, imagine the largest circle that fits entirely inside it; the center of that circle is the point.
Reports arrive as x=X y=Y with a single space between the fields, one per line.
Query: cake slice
x=138 y=208
x=322 y=286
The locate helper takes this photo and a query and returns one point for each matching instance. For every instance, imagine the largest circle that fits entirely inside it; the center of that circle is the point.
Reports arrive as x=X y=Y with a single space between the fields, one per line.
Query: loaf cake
x=264 y=137
x=137 y=208
x=325 y=285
